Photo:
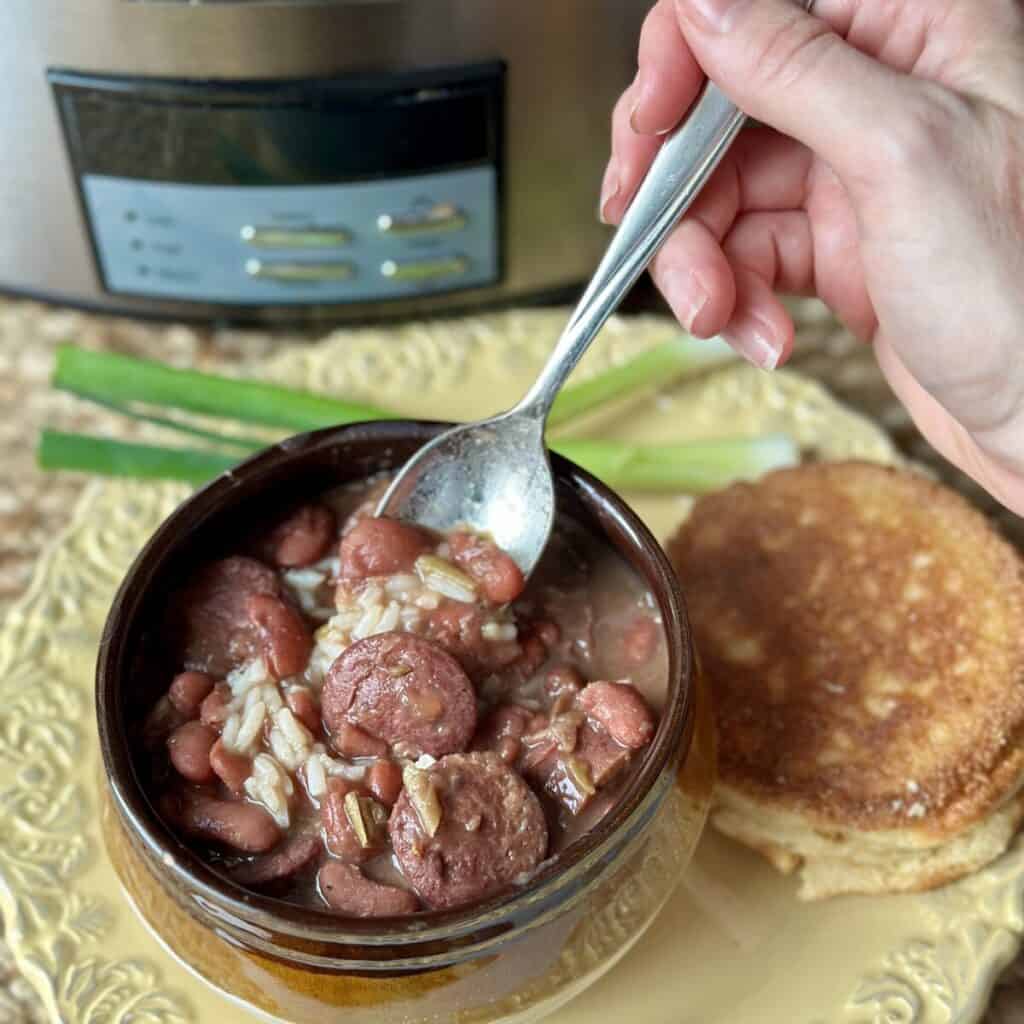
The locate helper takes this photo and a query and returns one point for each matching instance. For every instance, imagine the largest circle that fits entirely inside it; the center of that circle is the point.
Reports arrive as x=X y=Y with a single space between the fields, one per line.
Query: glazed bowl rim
x=251 y=911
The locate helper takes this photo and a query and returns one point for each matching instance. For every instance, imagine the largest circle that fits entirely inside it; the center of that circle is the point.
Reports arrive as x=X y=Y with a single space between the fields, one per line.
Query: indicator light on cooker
x=423 y=270
x=437 y=218
x=295 y=238
x=301 y=272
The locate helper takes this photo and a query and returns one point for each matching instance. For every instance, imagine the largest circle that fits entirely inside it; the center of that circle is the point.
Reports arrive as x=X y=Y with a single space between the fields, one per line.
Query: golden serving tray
x=732 y=946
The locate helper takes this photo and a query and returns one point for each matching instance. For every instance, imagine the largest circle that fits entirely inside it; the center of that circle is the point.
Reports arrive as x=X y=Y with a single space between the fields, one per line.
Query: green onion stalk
x=138 y=387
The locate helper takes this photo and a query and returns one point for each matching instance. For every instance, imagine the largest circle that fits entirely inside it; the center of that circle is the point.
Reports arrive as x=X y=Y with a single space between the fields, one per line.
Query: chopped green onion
x=655 y=367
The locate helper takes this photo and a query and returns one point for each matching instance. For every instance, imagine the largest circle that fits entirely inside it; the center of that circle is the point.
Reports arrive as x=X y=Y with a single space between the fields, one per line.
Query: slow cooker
x=341 y=160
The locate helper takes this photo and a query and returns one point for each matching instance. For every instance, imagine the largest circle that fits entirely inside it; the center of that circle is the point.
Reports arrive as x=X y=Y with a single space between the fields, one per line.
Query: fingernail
x=609 y=189
x=642 y=89
x=755 y=344
x=685 y=294
x=715 y=15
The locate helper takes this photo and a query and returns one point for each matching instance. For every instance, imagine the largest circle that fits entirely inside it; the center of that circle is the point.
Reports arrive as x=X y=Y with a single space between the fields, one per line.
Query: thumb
x=791 y=71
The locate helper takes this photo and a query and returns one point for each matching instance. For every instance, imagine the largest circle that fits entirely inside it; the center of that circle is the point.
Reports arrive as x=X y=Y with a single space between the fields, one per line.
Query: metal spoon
x=494 y=476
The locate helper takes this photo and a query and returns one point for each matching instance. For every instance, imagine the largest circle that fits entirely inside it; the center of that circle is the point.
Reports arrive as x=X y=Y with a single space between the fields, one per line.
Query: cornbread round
x=862 y=629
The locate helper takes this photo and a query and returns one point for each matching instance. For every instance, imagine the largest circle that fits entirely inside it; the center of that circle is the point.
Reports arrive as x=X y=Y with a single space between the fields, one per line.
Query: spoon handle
x=686 y=160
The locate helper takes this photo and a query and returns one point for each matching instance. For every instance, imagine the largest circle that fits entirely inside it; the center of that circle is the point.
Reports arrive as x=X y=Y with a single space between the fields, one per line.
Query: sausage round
x=345 y=888
x=284 y=637
x=303 y=538
x=380 y=547
x=401 y=688
x=500 y=579
x=294 y=855
x=491 y=831
x=189 y=749
x=217 y=632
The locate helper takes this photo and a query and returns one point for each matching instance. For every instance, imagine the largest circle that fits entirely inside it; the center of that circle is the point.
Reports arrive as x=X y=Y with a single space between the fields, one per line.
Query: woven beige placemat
x=34 y=506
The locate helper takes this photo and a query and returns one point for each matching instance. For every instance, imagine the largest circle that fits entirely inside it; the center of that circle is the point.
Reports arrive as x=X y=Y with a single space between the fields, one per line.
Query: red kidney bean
x=341 y=838
x=350 y=741
x=284 y=636
x=366 y=508
x=621 y=711
x=345 y=888
x=384 y=781
x=230 y=767
x=640 y=640
x=497 y=574
x=295 y=854
x=214 y=710
x=188 y=691
x=304 y=537
x=304 y=707
x=189 y=747
x=401 y=688
x=380 y=547
x=503 y=730
x=242 y=826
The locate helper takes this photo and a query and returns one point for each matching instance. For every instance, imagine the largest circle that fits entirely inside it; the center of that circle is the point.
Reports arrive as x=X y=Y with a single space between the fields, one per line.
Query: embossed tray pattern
x=733 y=945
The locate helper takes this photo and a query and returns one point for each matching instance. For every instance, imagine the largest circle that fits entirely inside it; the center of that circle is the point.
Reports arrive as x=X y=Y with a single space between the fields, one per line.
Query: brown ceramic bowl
x=521 y=955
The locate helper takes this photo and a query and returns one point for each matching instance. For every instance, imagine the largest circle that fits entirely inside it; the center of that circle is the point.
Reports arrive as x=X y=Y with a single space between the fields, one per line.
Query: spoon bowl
x=494 y=477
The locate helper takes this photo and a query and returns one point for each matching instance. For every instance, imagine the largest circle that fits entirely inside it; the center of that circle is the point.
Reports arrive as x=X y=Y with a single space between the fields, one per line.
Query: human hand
x=890 y=183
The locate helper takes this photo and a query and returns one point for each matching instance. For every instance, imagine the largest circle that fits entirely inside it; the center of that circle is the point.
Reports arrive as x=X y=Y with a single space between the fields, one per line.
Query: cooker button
x=295 y=238
x=301 y=272
x=434 y=219
x=424 y=270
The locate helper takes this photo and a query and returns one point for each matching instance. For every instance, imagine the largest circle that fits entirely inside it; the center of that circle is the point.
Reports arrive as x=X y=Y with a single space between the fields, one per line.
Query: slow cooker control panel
x=347 y=190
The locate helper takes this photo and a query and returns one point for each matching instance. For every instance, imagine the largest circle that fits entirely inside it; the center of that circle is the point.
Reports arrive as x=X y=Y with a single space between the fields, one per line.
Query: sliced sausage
x=189 y=748
x=303 y=538
x=242 y=826
x=294 y=855
x=216 y=630
x=346 y=889
x=284 y=637
x=401 y=688
x=381 y=547
x=498 y=576
x=384 y=780
x=620 y=710
x=215 y=709
x=491 y=831
x=188 y=691
x=353 y=826
x=230 y=767
x=605 y=759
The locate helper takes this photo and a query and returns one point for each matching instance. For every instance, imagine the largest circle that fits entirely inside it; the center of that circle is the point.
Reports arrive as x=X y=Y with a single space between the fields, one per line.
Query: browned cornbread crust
x=862 y=629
